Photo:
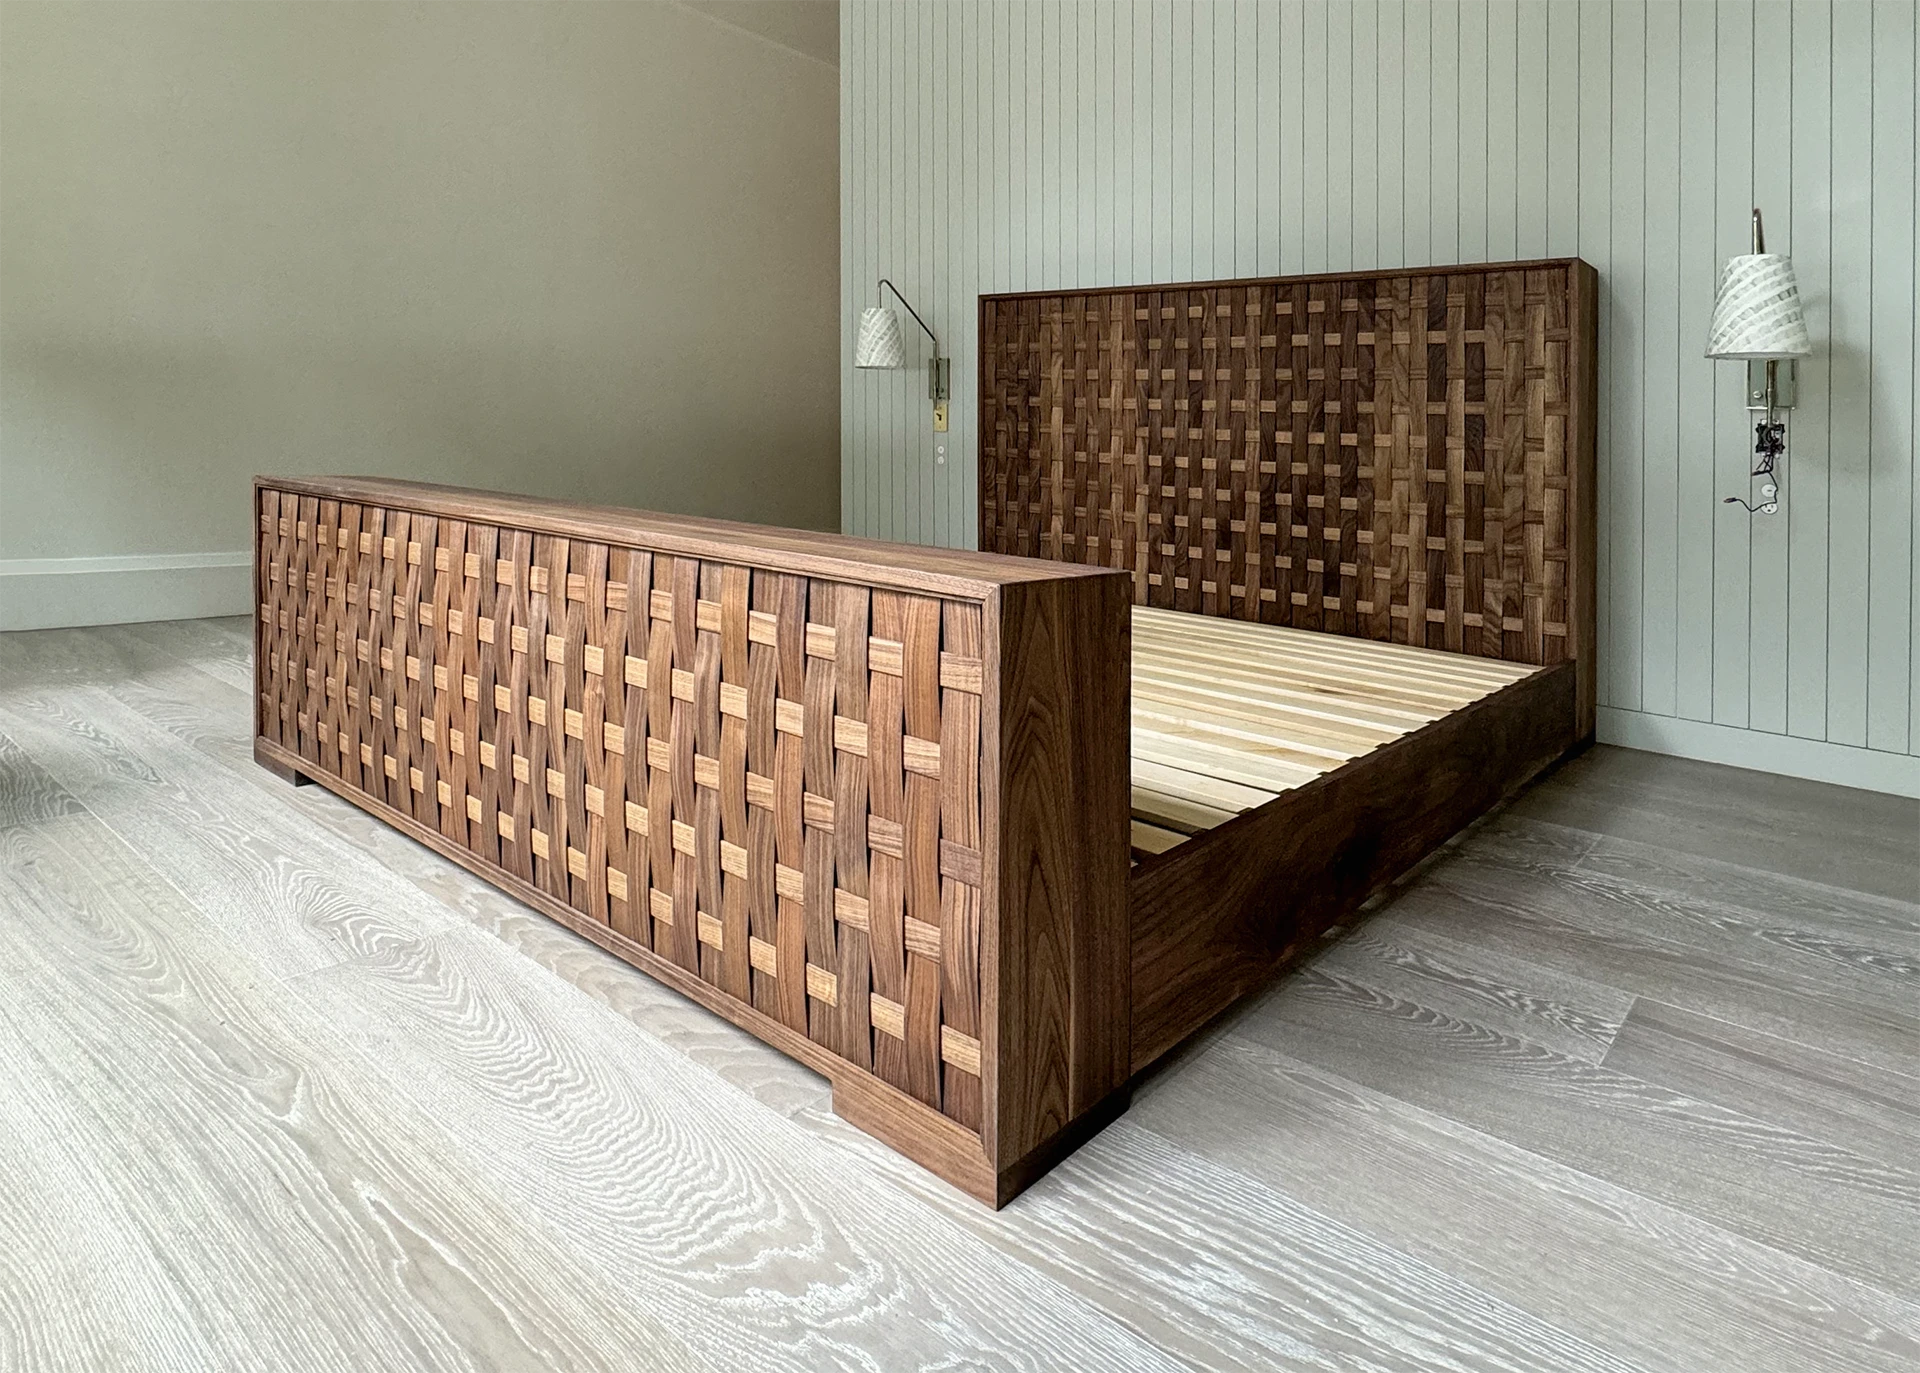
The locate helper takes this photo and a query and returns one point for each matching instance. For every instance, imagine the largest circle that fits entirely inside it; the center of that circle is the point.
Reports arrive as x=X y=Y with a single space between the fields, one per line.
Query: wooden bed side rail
x=868 y=802
x=1218 y=916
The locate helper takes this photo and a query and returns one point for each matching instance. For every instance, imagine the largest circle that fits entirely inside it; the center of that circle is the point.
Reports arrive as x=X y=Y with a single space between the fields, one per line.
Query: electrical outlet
x=940 y=417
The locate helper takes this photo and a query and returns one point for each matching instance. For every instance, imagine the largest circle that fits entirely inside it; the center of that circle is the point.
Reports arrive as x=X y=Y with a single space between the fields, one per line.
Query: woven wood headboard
x=1401 y=455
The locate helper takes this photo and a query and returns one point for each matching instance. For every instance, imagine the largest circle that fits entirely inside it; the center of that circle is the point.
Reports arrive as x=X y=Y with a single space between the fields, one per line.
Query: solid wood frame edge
x=957 y=574
x=1524 y=265
x=1583 y=380
x=1091 y=901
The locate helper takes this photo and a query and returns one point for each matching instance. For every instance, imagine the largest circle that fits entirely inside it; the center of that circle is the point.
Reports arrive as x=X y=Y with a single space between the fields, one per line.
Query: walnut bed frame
x=1401 y=464
x=875 y=803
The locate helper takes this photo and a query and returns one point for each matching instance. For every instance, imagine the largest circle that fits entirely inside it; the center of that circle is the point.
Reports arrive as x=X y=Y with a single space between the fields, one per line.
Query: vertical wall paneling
x=1265 y=136
x=1530 y=113
x=1073 y=182
x=928 y=518
x=1593 y=240
x=1021 y=97
x=1097 y=113
x=1902 y=89
x=1194 y=80
x=1732 y=439
x=1561 y=31
x=1659 y=466
x=1049 y=194
x=928 y=209
x=1697 y=502
x=962 y=151
x=1006 y=100
x=1140 y=241
x=1772 y=182
x=1389 y=180
x=852 y=438
x=1341 y=106
x=893 y=469
x=1293 y=133
x=1365 y=126
x=1475 y=215
x=1222 y=82
x=1246 y=144
x=878 y=209
x=1035 y=144
x=1621 y=512
x=1160 y=226
x=1501 y=168
x=1890 y=535
x=1850 y=337
x=1314 y=151
x=1808 y=511
x=915 y=81
x=1183 y=148
x=1444 y=116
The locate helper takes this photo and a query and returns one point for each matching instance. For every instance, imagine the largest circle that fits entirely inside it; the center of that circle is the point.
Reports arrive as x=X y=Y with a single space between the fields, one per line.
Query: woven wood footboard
x=868 y=802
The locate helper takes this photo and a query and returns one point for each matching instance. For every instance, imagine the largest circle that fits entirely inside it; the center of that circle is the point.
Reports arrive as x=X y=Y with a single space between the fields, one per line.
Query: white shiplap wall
x=1030 y=144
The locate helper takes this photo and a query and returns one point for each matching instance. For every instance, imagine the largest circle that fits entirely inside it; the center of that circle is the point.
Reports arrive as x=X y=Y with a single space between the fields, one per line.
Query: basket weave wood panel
x=772 y=780
x=1396 y=456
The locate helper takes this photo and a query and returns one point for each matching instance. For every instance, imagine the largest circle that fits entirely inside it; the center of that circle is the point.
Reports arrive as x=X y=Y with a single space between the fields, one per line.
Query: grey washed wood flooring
x=1628 y=1078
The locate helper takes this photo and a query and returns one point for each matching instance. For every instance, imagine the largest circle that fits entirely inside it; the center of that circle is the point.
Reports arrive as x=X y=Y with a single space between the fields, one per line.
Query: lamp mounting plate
x=1785 y=391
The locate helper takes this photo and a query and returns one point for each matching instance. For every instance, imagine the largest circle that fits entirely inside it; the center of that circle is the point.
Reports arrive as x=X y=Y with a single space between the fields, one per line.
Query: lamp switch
x=940 y=417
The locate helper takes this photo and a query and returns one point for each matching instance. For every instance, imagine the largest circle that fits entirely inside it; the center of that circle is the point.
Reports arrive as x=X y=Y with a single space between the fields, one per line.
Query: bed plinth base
x=277 y=762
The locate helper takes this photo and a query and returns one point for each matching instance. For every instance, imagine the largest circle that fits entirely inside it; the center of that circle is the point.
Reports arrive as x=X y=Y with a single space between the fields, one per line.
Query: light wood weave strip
x=770 y=780
x=1385 y=457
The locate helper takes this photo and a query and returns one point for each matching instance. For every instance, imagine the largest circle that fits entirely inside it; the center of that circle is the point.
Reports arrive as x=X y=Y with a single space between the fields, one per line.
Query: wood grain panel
x=1062 y=947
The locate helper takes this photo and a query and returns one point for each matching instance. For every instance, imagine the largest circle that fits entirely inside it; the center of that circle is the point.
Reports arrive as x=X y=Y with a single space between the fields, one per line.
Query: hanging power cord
x=1769 y=443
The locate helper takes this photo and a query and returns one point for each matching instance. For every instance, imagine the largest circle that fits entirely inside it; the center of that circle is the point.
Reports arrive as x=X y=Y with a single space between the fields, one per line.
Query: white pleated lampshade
x=1757 y=313
x=880 y=343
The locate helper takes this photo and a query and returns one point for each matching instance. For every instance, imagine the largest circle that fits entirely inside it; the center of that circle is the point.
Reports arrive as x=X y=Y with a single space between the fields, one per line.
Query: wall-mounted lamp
x=1757 y=317
x=880 y=345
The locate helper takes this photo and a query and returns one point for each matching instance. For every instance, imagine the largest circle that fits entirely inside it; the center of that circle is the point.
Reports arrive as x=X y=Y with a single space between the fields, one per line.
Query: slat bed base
x=1217 y=916
x=1228 y=715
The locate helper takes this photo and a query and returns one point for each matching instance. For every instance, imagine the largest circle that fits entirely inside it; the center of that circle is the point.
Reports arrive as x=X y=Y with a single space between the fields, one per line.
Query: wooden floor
x=1227 y=714
x=1625 y=1080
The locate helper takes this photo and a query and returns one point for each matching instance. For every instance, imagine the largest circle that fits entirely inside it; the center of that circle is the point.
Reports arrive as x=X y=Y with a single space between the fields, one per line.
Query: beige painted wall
x=585 y=250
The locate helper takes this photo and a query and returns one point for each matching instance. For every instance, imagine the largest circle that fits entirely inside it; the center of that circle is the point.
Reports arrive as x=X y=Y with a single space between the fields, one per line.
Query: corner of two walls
x=1007 y=146
x=582 y=251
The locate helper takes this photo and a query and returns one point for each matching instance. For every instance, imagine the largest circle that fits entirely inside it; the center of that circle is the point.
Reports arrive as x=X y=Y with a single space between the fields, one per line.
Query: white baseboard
x=1815 y=759
x=52 y=593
